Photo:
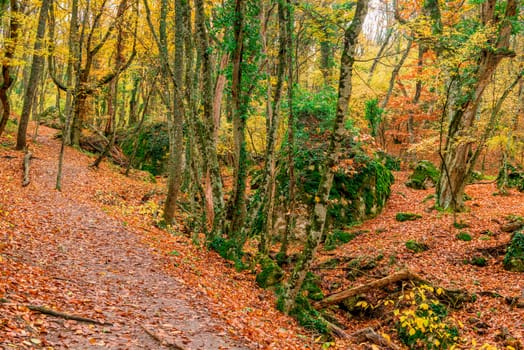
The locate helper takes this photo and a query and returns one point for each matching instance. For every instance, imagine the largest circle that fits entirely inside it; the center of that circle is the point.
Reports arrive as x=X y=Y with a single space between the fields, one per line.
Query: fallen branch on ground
x=27 y=164
x=338 y=297
x=47 y=311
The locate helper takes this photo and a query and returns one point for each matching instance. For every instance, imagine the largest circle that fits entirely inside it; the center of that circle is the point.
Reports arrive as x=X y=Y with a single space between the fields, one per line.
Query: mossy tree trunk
x=176 y=109
x=273 y=120
x=34 y=77
x=458 y=157
x=290 y=200
x=211 y=169
x=9 y=52
x=319 y=211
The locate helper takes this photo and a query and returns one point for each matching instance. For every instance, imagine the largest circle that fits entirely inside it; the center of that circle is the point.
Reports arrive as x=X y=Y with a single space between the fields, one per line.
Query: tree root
x=47 y=311
x=164 y=342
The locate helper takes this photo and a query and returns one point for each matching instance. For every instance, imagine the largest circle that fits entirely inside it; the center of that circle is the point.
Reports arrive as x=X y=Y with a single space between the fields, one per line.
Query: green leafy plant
x=423 y=322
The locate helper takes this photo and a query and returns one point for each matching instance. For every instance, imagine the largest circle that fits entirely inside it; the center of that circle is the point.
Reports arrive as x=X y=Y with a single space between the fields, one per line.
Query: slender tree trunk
x=319 y=211
x=176 y=117
x=34 y=77
x=267 y=201
x=74 y=48
x=290 y=200
x=237 y=204
x=9 y=53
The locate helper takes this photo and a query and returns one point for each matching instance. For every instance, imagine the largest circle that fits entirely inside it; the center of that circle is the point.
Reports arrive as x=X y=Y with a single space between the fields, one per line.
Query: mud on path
x=62 y=250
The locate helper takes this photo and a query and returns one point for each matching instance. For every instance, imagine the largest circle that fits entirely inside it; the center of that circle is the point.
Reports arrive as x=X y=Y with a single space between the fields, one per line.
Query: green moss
x=307 y=316
x=478 y=261
x=152 y=149
x=311 y=287
x=416 y=247
x=464 y=236
x=337 y=238
x=424 y=175
x=514 y=177
x=228 y=249
x=407 y=217
x=514 y=258
x=270 y=275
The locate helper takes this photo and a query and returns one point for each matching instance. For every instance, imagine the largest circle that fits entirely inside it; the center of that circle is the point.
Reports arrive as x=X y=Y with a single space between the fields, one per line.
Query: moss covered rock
x=270 y=275
x=424 y=175
x=514 y=258
x=401 y=217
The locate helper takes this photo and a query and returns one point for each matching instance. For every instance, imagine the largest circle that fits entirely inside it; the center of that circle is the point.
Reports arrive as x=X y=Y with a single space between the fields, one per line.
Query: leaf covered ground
x=92 y=250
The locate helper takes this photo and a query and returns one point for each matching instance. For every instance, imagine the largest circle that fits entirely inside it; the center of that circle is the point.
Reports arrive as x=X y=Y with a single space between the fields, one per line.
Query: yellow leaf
x=412 y=331
x=317 y=199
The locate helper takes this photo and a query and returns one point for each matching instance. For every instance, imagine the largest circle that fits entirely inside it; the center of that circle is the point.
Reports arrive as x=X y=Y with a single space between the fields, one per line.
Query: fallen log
x=338 y=297
x=47 y=311
x=27 y=164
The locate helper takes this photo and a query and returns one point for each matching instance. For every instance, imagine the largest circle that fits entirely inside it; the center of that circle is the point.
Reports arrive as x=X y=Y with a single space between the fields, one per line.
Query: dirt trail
x=94 y=266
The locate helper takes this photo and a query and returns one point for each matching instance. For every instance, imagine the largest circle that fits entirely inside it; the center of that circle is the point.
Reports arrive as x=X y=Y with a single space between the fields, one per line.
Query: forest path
x=72 y=257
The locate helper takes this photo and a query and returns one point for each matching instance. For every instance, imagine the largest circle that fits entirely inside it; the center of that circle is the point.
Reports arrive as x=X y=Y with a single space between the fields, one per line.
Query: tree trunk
x=237 y=204
x=290 y=200
x=458 y=158
x=319 y=212
x=176 y=117
x=208 y=134
x=34 y=77
x=9 y=52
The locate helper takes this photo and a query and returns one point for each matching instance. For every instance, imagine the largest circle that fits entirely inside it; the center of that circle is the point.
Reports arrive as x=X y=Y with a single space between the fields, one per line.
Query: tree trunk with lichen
x=458 y=158
x=319 y=211
x=9 y=52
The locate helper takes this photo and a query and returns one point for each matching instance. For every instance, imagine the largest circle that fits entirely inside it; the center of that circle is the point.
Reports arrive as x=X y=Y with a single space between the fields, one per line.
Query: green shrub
x=514 y=258
x=464 y=236
x=424 y=175
x=416 y=247
x=407 y=217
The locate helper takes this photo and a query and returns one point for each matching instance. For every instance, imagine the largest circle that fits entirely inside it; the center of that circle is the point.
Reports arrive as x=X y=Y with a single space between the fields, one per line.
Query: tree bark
x=9 y=53
x=34 y=77
x=458 y=157
x=176 y=116
x=319 y=212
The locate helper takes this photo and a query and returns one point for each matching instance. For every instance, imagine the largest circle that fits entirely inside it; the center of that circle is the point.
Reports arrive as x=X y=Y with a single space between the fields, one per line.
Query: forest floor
x=92 y=251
